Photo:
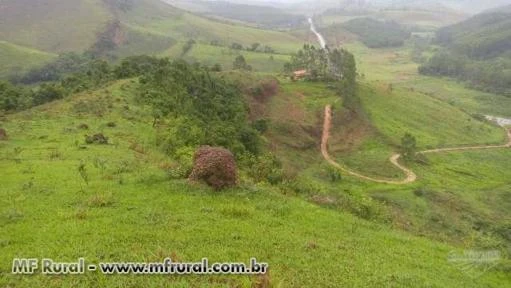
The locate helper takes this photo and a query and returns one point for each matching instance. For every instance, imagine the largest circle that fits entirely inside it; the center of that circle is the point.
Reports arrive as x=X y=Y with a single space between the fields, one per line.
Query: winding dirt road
x=394 y=159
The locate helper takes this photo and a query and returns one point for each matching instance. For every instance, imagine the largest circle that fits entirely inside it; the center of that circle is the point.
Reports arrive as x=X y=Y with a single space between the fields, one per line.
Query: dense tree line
x=491 y=75
x=378 y=34
x=16 y=97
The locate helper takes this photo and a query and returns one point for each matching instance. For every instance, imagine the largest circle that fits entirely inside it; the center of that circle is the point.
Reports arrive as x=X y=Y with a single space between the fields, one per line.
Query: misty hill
x=477 y=50
x=114 y=29
x=377 y=34
x=263 y=16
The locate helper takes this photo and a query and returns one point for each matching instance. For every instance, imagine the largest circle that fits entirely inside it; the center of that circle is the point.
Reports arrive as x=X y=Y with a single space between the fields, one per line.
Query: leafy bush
x=203 y=109
x=47 y=93
x=266 y=167
x=13 y=97
x=96 y=139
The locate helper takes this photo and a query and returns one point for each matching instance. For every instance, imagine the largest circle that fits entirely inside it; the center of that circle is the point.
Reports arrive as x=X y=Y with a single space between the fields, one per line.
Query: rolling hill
x=118 y=28
x=258 y=15
x=15 y=59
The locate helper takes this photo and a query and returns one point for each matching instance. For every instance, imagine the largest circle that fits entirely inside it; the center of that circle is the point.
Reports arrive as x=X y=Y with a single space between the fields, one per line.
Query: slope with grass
x=17 y=59
x=210 y=55
x=115 y=29
x=53 y=25
x=129 y=210
x=259 y=15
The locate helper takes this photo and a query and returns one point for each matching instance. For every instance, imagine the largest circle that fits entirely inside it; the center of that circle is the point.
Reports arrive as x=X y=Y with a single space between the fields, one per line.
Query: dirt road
x=394 y=159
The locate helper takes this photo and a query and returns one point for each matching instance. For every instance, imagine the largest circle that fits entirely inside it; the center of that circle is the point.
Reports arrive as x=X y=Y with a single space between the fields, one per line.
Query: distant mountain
x=260 y=15
x=483 y=36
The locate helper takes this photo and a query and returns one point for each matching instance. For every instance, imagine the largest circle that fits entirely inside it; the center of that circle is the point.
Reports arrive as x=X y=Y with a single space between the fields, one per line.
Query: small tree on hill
x=409 y=146
x=241 y=64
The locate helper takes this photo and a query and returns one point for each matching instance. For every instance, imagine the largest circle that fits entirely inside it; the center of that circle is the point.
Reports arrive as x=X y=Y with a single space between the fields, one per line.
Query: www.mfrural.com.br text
x=48 y=266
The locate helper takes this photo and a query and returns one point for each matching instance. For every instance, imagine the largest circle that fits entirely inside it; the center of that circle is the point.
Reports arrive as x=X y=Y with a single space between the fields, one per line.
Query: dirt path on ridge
x=394 y=159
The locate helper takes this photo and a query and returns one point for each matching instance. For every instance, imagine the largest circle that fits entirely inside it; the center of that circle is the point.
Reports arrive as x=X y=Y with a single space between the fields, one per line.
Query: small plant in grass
x=100 y=200
x=83 y=126
x=55 y=154
x=3 y=135
x=15 y=213
x=261 y=125
x=82 y=171
x=100 y=163
x=334 y=175
x=17 y=154
x=96 y=139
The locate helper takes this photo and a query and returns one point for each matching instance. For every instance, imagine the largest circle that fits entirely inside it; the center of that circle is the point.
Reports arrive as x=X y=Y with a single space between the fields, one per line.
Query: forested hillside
x=477 y=50
x=378 y=34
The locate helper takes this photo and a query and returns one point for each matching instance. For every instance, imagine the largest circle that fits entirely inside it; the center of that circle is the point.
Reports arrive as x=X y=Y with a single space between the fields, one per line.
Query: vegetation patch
x=378 y=34
x=3 y=134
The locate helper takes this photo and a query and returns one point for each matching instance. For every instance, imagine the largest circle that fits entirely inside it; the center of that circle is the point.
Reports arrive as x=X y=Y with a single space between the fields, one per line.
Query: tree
x=216 y=68
x=47 y=93
x=409 y=146
x=241 y=64
x=236 y=46
x=13 y=97
x=188 y=46
x=254 y=47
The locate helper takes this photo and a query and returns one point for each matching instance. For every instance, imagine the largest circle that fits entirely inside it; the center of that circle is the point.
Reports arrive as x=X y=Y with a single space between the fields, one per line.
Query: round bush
x=214 y=165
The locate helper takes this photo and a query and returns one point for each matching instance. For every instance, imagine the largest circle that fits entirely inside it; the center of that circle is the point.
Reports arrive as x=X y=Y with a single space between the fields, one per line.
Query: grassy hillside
x=189 y=26
x=53 y=25
x=415 y=18
x=128 y=190
x=259 y=15
x=210 y=55
x=116 y=29
x=18 y=59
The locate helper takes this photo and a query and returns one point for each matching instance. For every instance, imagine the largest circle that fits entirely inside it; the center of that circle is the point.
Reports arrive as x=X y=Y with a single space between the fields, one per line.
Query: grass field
x=53 y=25
x=421 y=19
x=18 y=59
x=210 y=55
x=164 y=20
x=129 y=210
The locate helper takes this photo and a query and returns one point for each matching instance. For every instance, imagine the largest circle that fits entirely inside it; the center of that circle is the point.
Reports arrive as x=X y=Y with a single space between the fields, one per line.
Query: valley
x=353 y=166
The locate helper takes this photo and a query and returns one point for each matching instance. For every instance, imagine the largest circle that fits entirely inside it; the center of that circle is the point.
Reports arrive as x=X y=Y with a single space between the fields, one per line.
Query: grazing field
x=40 y=25
x=433 y=123
x=59 y=209
x=418 y=19
x=210 y=55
